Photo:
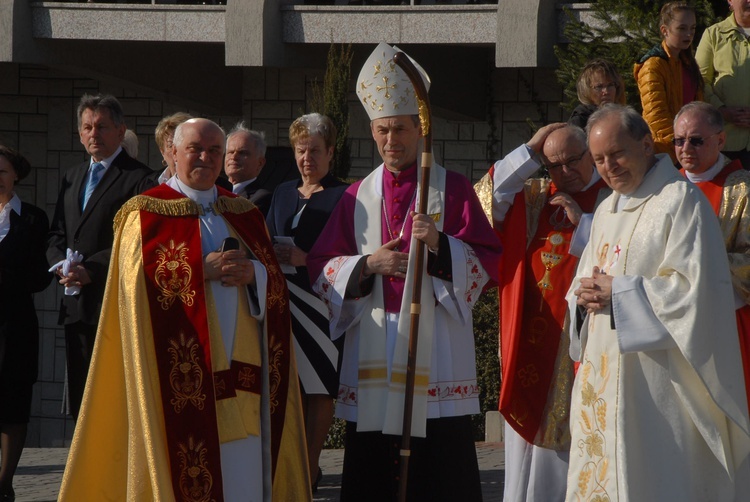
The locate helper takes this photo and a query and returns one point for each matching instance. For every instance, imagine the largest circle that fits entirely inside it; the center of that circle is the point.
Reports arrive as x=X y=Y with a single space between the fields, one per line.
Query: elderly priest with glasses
x=544 y=225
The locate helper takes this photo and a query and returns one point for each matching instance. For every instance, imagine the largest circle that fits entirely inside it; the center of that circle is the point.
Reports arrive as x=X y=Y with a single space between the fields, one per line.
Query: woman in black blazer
x=23 y=271
x=300 y=210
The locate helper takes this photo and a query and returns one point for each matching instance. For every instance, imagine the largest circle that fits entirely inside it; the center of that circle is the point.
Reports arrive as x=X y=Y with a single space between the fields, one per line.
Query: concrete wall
x=37 y=116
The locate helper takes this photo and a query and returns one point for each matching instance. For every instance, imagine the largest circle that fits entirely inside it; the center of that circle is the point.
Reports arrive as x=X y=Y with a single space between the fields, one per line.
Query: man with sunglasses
x=535 y=272
x=698 y=141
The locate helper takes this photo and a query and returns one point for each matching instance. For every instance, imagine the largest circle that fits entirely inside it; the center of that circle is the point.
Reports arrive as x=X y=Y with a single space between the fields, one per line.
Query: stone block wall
x=37 y=116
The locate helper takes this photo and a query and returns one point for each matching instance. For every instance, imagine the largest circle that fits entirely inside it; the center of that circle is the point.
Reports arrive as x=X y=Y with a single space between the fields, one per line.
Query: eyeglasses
x=604 y=87
x=570 y=163
x=696 y=141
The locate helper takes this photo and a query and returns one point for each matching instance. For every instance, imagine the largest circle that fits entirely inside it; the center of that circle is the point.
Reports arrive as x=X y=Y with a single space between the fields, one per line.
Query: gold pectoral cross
x=550 y=259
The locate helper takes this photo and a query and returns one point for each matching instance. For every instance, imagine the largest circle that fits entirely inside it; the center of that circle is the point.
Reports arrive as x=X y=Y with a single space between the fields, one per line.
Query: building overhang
x=128 y=22
x=280 y=33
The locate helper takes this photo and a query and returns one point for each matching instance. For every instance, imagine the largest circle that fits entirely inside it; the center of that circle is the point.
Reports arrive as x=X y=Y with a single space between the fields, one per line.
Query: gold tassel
x=235 y=205
x=174 y=207
x=179 y=207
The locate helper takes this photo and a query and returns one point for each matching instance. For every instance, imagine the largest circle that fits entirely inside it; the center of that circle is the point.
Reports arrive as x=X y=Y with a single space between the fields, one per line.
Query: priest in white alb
x=659 y=410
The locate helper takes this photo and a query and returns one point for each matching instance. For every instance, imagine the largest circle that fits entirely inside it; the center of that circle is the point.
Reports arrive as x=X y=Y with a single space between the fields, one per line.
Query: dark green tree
x=621 y=31
x=331 y=99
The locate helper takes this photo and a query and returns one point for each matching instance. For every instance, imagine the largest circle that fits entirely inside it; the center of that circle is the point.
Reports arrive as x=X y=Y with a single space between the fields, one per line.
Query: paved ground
x=39 y=473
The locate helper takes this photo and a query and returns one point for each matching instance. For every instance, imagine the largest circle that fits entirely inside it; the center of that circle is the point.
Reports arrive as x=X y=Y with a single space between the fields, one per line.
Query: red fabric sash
x=251 y=227
x=239 y=376
x=173 y=267
x=714 y=191
x=534 y=280
x=192 y=318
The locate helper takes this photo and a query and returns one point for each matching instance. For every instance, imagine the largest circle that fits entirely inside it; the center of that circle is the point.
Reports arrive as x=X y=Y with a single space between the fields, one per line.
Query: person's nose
x=610 y=164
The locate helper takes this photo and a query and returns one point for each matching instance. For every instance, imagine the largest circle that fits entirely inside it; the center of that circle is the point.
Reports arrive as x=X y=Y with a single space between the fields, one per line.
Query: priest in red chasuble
x=193 y=391
x=699 y=139
x=544 y=224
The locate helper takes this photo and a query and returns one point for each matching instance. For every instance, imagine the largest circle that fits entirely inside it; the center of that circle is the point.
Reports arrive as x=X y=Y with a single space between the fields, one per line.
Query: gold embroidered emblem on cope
x=519 y=417
x=528 y=375
x=246 y=378
x=173 y=275
x=277 y=288
x=274 y=380
x=196 y=481
x=537 y=329
x=186 y=375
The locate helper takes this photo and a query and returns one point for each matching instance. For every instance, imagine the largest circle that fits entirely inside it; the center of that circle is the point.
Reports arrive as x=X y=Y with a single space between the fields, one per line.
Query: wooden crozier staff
x=423 y=102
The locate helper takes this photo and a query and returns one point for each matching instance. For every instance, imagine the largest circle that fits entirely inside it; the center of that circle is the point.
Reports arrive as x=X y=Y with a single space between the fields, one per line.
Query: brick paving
x=40 y=471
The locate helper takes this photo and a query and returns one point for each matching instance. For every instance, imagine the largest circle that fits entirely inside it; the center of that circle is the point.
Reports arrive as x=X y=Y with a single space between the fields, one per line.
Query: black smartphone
x=229 y=244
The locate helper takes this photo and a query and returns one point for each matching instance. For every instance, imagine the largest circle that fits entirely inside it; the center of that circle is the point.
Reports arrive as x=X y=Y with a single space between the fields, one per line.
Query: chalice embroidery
x=550 y=259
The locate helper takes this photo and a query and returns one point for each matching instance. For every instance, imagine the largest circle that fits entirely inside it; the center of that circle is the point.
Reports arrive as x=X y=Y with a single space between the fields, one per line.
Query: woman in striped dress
x=299 y=211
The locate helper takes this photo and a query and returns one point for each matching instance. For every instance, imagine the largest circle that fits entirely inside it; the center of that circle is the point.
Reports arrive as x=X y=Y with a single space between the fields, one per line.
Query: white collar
x=201 y=197
x=239 y=187
x=709 y=173
x=108 y=161
x=15 y=204
x=164 y=176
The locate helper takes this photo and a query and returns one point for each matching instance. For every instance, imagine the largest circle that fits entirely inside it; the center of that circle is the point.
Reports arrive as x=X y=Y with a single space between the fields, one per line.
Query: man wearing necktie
x=90 y=196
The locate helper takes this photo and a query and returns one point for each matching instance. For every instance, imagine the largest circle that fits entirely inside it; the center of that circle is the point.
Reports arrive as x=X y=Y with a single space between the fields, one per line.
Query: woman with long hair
x=668 y=76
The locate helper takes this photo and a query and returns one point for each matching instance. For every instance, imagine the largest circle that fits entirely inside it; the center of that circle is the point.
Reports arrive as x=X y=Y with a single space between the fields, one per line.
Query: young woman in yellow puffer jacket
x=668 y=76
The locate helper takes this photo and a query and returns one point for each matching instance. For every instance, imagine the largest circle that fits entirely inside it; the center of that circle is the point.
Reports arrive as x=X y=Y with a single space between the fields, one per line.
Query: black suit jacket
x=150 y=181
x=23 y=271
x=312 y=221
x=90 y=232
x=258 y=196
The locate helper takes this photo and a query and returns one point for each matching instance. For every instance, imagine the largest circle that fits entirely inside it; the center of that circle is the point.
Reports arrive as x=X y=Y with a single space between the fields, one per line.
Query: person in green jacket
x=723 y=56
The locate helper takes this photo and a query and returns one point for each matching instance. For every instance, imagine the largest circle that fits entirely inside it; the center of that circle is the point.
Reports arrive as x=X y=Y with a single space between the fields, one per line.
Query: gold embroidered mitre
x=384 y=88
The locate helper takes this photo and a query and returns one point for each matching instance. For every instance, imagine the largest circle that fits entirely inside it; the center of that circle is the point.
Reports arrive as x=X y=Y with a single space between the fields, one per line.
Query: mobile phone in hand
x=229 y=244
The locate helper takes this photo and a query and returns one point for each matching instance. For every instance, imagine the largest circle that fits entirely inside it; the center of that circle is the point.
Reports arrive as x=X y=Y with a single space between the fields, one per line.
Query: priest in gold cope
x=193 y=390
